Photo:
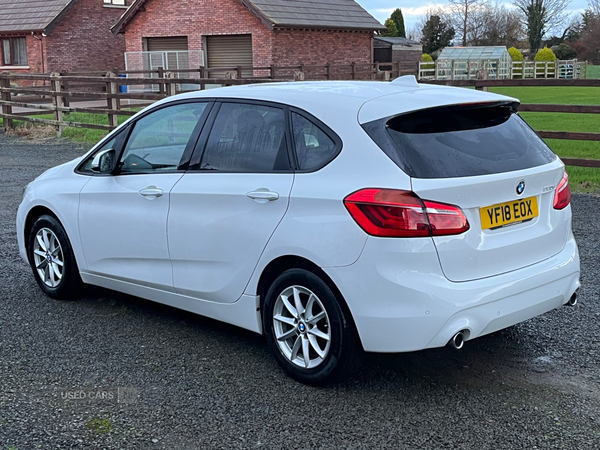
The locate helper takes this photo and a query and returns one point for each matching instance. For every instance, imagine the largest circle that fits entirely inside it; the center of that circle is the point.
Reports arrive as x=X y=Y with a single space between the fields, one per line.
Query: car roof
x=363 y=100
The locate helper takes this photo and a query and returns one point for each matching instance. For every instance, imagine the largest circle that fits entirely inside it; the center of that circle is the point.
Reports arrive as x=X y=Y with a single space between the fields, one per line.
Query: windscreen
x=460 y=141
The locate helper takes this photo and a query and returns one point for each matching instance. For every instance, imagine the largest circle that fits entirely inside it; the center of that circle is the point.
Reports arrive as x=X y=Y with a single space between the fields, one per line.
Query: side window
x=247 y=138
x=158 y=140
x=313 y=147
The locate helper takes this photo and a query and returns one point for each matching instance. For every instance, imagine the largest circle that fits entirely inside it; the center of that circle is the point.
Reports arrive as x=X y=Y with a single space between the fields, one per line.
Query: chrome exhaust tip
x=573 y=300
x=457 y=341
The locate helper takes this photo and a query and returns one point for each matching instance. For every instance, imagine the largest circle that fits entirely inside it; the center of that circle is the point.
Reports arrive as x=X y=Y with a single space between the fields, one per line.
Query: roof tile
x=314 y=14
x=28 y=15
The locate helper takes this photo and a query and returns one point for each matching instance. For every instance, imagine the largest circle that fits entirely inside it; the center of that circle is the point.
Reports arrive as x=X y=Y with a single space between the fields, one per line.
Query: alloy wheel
x=48 y=257
x=301 y=327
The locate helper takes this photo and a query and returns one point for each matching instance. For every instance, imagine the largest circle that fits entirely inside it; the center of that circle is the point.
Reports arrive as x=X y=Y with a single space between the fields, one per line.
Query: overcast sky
x=411 y=9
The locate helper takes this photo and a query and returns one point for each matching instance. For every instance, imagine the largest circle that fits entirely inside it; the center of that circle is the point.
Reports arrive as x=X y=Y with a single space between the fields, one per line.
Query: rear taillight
x=562 y=195
x=396 y=213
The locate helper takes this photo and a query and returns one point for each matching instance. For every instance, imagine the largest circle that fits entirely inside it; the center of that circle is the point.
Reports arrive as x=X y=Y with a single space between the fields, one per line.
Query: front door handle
x=263 y=195
x=151 y=192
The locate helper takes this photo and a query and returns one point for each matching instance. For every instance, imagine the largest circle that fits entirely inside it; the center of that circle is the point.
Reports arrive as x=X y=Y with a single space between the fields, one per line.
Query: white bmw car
x=333 y=217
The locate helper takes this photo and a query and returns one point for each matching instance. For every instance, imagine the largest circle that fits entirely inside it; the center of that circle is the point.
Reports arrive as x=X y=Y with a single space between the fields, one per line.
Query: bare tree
x=499 y=25
x=464 y=14
x=540 y=17
x=594 y=6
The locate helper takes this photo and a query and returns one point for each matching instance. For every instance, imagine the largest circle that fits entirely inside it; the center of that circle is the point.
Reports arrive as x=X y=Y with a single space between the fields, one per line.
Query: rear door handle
x=263 y=195
x=151 y=192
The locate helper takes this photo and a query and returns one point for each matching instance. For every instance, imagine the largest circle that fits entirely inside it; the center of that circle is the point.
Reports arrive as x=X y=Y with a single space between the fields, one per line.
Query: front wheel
x=311 y=336
x=52 y=260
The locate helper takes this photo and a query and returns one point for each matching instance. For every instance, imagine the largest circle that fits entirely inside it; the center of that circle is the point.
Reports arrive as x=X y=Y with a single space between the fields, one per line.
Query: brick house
x=259 y=33
x=42 y=36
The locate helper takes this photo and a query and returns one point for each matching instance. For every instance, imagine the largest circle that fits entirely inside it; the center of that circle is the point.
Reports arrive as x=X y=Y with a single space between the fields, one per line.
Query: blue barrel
x=122 y=87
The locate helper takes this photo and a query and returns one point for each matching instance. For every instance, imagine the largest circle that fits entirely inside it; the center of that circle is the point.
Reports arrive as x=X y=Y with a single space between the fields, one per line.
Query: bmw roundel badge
x=521 y=187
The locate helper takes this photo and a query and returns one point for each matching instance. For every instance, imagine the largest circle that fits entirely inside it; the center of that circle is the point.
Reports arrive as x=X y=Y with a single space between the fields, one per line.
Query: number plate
x=508 y=213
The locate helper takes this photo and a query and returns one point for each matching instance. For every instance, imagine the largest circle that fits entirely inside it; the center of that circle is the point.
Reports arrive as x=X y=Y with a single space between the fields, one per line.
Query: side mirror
x=104 y=161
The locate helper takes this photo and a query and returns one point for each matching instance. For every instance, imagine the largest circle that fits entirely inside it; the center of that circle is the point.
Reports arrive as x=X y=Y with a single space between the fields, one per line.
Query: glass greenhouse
x=463 y=63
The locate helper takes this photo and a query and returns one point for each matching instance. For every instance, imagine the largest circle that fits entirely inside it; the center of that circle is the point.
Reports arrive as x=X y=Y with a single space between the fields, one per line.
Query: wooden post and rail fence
x=37 y=94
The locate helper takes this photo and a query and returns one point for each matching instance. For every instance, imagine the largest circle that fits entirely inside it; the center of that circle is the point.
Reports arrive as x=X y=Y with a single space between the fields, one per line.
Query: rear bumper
x=400 y=302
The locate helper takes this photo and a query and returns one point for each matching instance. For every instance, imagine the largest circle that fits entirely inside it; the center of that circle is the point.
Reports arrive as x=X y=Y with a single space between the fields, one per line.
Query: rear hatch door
x=507 y=230
x=485 y=159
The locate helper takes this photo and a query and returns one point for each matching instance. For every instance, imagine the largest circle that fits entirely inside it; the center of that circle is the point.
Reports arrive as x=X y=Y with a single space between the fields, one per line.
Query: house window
x=14 y=51
x=114 y=2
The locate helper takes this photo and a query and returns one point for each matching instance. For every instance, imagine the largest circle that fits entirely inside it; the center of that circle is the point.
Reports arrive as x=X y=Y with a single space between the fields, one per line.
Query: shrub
x=515 y=54
x=427 y=58
x=545 y=54
x=564 y=51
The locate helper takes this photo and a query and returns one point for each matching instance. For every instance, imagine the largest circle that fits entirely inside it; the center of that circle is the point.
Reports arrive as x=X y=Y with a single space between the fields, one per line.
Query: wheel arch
x=283 y=263
x=34 y=214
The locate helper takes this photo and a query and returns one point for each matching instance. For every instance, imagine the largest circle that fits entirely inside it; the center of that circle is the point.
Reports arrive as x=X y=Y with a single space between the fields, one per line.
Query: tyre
x=51 y=259
x=311 y=336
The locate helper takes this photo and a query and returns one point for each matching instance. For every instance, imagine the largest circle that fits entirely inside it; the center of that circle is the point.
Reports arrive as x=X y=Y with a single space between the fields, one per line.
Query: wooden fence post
x=161 y=86
x=239 y=72
x=202 y=73
x=57 y=101
x=65 y=87
x=112 y=89
x=171 y=86
x=6 y=96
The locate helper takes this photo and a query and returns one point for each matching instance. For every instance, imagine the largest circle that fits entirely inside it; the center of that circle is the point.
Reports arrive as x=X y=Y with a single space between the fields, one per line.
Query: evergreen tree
x=437 y=34
x=391 y=31
x=398 y=19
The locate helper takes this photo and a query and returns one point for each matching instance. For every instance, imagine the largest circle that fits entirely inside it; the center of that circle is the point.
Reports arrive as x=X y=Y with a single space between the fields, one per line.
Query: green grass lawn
x=558 y=95
x=593 y=72
x=583 y=179
x=78 y=134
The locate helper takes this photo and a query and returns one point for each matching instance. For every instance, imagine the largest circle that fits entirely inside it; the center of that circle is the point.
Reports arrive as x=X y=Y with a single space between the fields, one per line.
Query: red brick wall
x=320 y=47
x=34 y=53
x=195 y=18
x=82 y=41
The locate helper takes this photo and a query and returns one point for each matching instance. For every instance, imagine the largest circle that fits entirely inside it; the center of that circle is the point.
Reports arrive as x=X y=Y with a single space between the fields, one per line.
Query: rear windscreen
x=460 y=141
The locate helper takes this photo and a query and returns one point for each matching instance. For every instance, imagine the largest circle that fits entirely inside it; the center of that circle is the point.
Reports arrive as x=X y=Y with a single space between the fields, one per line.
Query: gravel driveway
x=156 y=377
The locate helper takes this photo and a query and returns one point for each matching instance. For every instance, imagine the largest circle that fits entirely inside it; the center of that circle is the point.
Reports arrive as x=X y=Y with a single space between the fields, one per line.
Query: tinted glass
x=247 y=138
x=313 y=147
x=461 y=142
x=159 y=139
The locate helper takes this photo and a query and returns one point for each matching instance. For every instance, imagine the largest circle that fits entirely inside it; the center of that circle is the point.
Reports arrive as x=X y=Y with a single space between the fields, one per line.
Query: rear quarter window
x=460 y=141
